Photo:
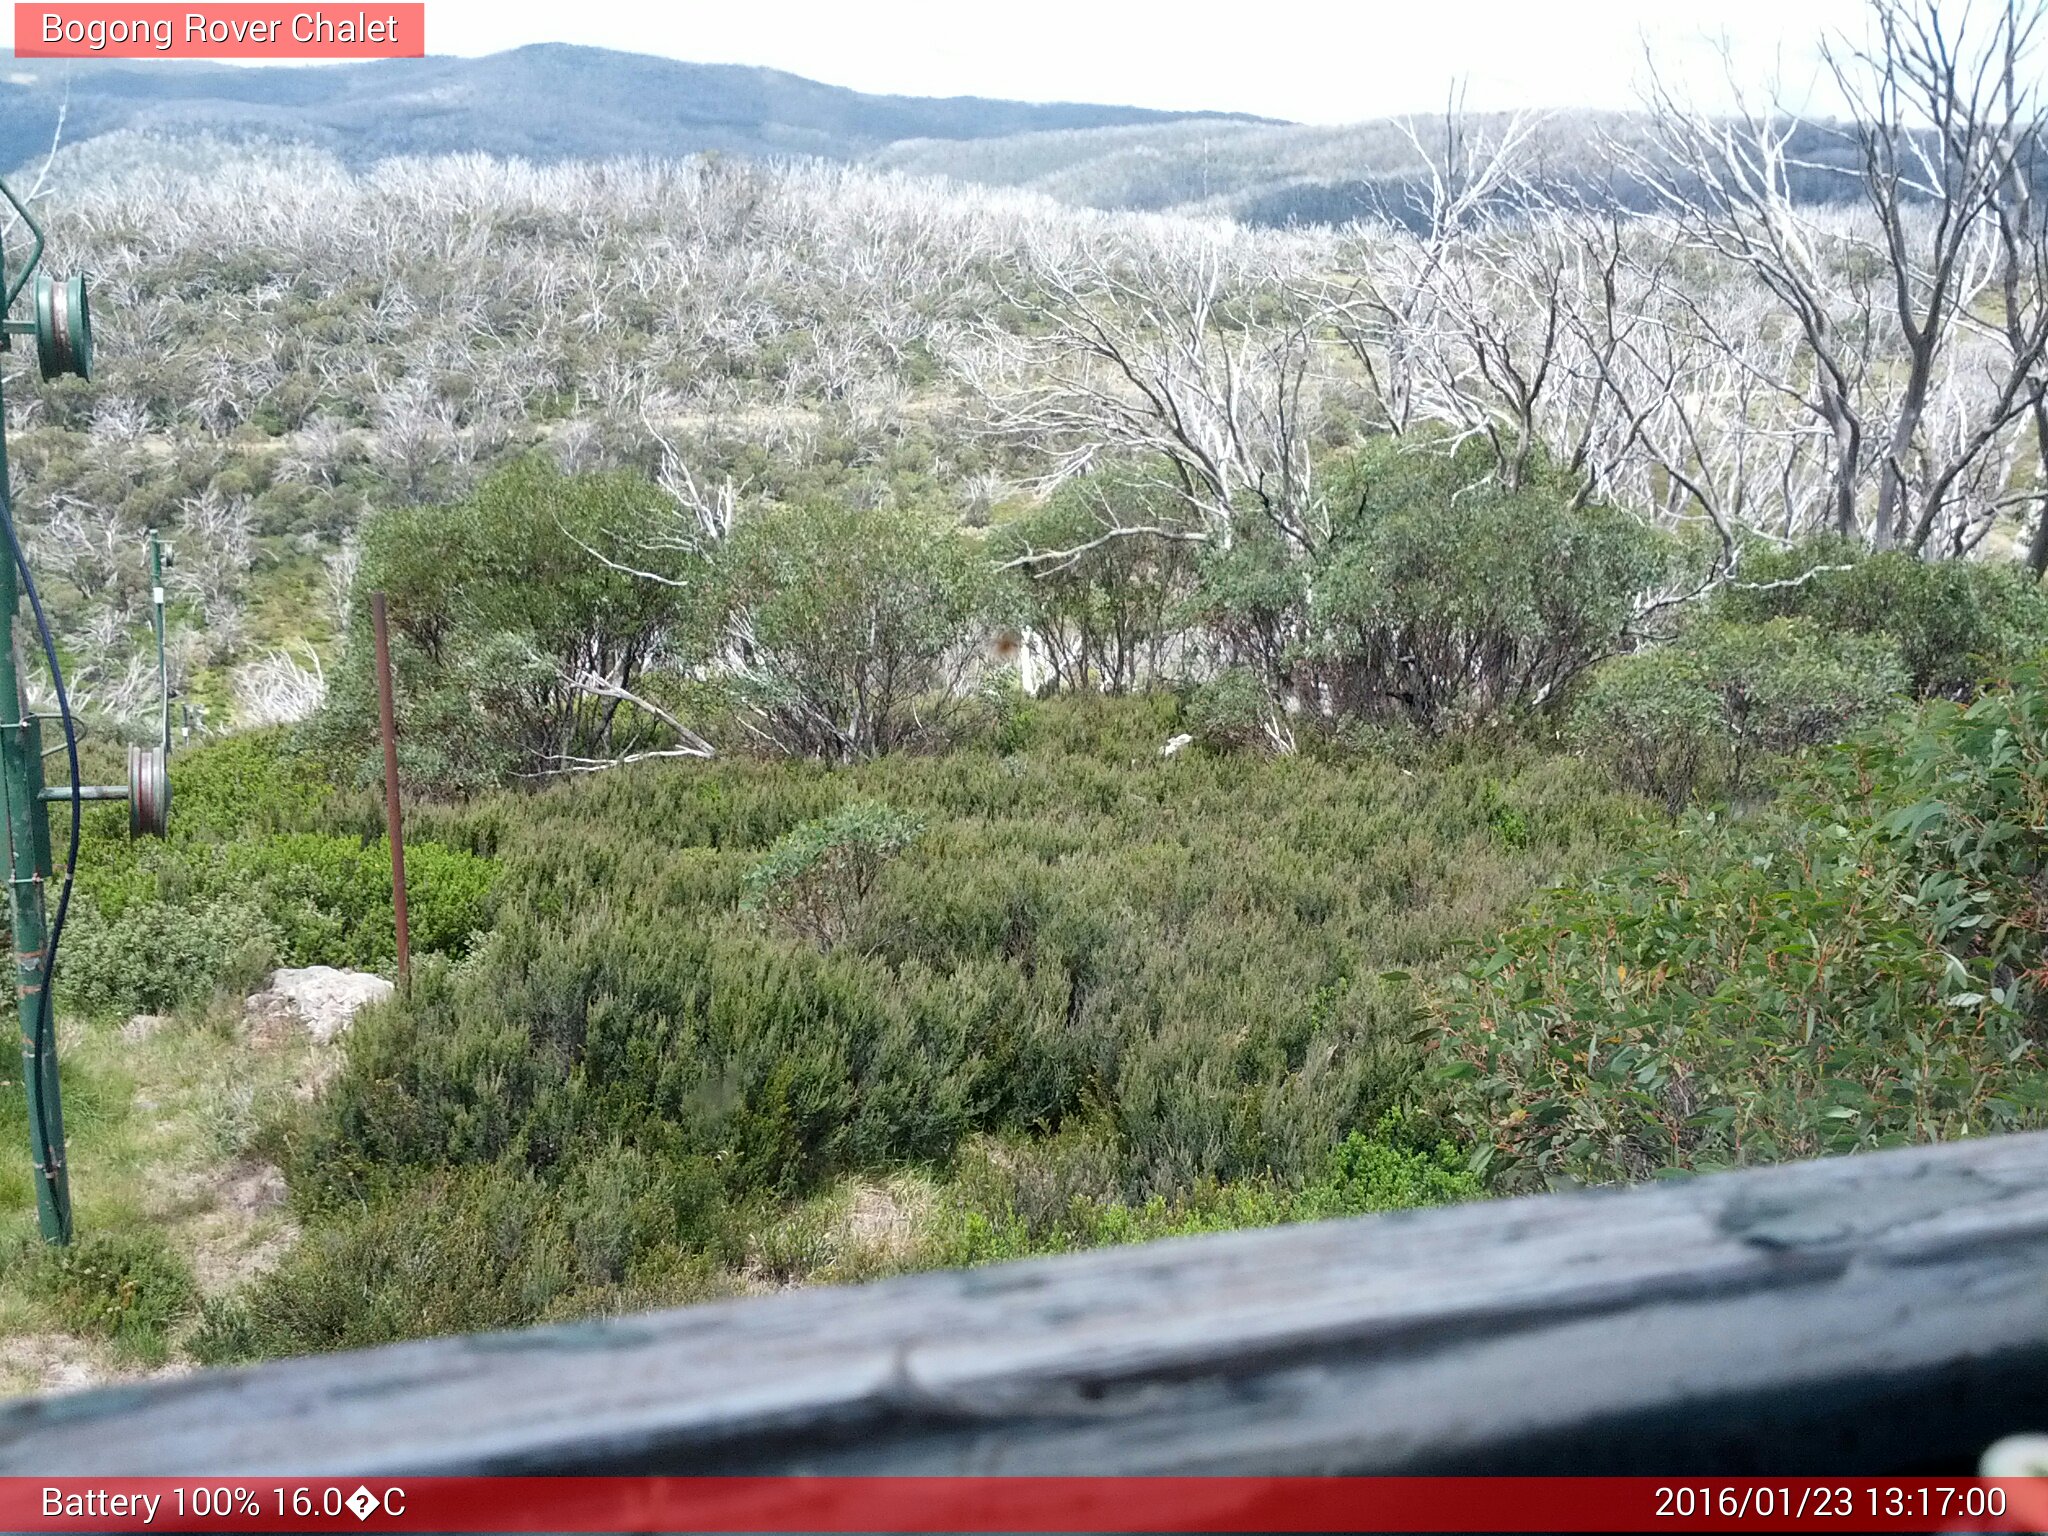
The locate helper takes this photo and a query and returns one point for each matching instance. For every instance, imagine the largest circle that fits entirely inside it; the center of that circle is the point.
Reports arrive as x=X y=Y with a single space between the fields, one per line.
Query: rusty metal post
x=388 y=725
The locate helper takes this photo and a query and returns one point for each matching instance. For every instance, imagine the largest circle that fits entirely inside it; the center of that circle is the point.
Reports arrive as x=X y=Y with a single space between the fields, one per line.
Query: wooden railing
x=1881 y=1313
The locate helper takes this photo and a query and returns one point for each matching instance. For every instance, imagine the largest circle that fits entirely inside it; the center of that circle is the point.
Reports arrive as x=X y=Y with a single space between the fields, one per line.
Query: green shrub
x=183 y=919
x=1448 y=597
x=459 y=1255
x=329 y=898
x=1954 y=622
x=1108 y=614
x=499 y=607
x=860 y=626
x=1968 y=825
x=1393 y=1169
x=1783 y=687
x=1231 y=711
x=1707 y=711
x=1167 y=974
x=243 y=883
x=155 y=955
x=251 y=782
x=816 y=880
x=1060 y=1193
x=475 y=1250
x=1657 y=721
x=1252 y=597
x=127 y=1288
x=1859 y=968
x=1509 y=821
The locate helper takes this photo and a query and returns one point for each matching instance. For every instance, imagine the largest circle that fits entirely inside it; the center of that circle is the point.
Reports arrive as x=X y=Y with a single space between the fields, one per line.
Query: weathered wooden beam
x=1887 y=1312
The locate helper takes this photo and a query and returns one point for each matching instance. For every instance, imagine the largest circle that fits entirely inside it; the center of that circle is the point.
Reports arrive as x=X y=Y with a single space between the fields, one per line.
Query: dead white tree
x=1197 y=350
x=216 y=540
x=589 y=684
x=341 y=567
x=87 y=544
x=278 y=689
x=1732 y=186
x=2022 y=218
x=1944 y=125
x=1418 y=310
x=1945 y=113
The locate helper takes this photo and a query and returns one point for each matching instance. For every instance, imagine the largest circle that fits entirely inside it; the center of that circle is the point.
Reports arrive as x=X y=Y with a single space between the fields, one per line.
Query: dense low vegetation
x=251 y=877
x=1860 y=965
x=1074 y=990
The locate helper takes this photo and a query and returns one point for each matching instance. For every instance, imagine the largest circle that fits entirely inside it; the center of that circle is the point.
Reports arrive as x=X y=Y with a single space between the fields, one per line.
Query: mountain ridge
x=544 y=101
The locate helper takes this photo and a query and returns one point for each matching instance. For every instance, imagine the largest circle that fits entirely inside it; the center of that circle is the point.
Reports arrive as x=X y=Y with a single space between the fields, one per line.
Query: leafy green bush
x=152 y=956
x=1106 y=614
x=251 y=782
x=1705 y=711
x=127 y=1288
x=1969 y=829
x=1395 y=1168
x=329 y=898
x=182 y=919
x=471 y=1251
x=859 y=626
x=1231 y=711
x=1859 y=968
x=1252 y=598
x=1448 y=597
x=1510 y=823
x=817 y=878
x=1953 y=621
x=244 y=883
x=1657 y=721
x=1059 y=1194
x=501 y=607
x=1175 y=969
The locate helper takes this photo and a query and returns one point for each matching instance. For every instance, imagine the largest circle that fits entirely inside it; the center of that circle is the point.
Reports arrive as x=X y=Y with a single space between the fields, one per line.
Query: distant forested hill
x=546 y=102
x=556 y=102
x=1285 y=173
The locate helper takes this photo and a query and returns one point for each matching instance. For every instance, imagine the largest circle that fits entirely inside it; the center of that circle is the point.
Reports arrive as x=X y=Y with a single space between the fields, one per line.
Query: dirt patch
x=247 y=1229
x=51 y=1362
x=62 y=1362
x=249 y=1188
x=184 y=1153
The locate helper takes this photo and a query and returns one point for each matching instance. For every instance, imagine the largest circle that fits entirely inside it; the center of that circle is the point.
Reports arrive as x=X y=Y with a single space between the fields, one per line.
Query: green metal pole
x=156 y=598
x=21 y=773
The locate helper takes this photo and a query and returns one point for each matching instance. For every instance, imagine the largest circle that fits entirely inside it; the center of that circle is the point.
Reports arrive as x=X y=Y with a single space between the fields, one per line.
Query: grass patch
x=127 y=1287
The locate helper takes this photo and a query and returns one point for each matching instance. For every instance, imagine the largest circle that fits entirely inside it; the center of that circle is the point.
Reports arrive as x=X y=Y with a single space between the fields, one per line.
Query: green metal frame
x=62 y=329
x=163 y=671
x=28 y=841
x=35 y=253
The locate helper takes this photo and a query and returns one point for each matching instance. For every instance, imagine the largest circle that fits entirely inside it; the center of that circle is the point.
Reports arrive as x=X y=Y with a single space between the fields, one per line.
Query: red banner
x=226 y=31
x=1023 y=1504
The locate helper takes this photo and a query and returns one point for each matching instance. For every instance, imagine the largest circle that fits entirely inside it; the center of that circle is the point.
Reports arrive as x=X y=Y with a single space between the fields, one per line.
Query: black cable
x=43 y=1014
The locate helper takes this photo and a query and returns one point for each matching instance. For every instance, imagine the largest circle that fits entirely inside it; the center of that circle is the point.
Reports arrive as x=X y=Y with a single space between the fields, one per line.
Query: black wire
x=43 y=1016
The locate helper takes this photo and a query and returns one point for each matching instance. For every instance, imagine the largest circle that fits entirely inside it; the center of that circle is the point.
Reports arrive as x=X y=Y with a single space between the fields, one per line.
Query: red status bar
x=1023 y=1504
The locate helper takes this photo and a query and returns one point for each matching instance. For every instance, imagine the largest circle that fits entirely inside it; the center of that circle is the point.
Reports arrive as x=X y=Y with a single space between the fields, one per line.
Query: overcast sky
x=1326 y=61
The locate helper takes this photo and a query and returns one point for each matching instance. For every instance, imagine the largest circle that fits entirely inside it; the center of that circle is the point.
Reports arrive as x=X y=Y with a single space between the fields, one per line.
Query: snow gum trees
x=1744 y=341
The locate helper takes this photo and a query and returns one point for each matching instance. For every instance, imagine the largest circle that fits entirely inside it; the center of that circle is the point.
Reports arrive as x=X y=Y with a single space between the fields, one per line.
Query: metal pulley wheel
x=149 y=792
x=63 y=327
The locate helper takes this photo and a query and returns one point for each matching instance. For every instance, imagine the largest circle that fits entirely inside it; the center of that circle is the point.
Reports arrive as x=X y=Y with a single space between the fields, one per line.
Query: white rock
x=1175 y=745
x=319 y=998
